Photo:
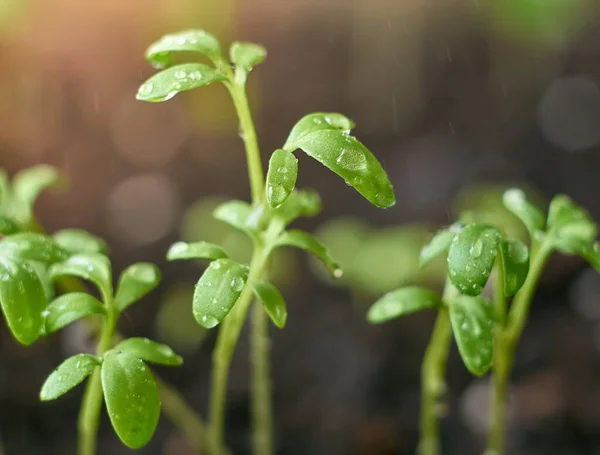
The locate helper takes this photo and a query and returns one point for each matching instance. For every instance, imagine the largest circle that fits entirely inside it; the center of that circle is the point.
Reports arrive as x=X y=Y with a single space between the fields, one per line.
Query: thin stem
x=262 y=427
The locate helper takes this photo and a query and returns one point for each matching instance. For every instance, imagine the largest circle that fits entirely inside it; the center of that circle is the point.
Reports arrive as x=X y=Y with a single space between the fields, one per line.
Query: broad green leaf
x=471 y=257
x=131 y=397
x=281 y=177
x=8 y=226
x=165 y=85
x=195 y=250
x=68 y=375
x=440 y=243
x=30 y=246
x=402 y=301
x=135 y=282
x=273 y=301
x=149 y=351
x=307 y=242
x=564 y=211
x=306 y=203
x=77 y=241
x=236 y=214
x=246 y=55
x=22 y=298
x=532 y=217
x=515 y=260
x=159 y=53
x=352 y=161
x=29 y=183
x=315 y=122
x=472 y=321
x=69 y=308
x=217 y=291
x=42 y=273
x=92 y=267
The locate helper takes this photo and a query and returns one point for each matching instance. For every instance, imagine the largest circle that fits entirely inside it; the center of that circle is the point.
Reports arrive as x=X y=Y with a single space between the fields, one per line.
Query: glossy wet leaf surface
x=402 y=301
x=309 y=243
x=92 y=267
x=149 y=351
x=135 y=282
x=77 y=241
x=439 y=244
x=315 y=122
x=532 y=217
x=273 y=301
x=159 y=54
x=281 y=177
x=515 y=258
x=195 y=250
x=69 y=308
x=68 y=375
x=32 y=247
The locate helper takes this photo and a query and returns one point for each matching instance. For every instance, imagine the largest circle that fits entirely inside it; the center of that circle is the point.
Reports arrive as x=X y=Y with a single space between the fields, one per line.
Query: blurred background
x=458 y=98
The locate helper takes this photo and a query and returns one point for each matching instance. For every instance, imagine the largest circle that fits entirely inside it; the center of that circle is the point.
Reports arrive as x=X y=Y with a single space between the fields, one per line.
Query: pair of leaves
x=130 y=391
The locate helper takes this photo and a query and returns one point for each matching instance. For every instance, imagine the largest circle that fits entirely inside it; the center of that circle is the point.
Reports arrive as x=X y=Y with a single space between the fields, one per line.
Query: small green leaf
x=515 y=259
x=217 y=291
x=8 y=226
x=307 y=242
x=195 y=250
x=22 y=298
x=135 y=282
x=315 y=122
x=159 y=53
x=165 y=85
x=532 y=217
x=149 y=351
x=93 y=267
x=352 y=161
x=131 y=397
x=77 y=241
x=440 y=243
x=472 y=321
x=281 y=178
x=471 y=257
x=563 y=211
x=236 y=214
x=402 y=301
x=273 y=301
x=68 y=375
x=69 y=308
x=29 y=183
x=306 y=203
x=246 y=55
x=30 y=246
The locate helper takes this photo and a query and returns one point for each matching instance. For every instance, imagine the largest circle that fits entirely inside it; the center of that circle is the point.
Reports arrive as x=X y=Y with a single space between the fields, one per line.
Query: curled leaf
x=159 y=54
x=402 y=301
x=195 y=250
x=149 y=351
x=315 y=122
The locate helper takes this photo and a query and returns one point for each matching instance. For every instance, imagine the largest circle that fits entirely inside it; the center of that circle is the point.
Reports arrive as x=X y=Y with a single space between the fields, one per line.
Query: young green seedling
x=226 y=289
x=486 y=332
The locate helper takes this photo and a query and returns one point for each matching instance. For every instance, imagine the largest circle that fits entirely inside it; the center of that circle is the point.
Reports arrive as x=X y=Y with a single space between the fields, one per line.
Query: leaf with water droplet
x=68 y=308
x=149 y=351
x=135 y=282
x=93 y=267
x=273 y=301
x=166 y=84
x=245 y=56
x=352 y=161
x=26 y=187
x=159 y=54
x=307 y=242
x=77 y=241
x=22 y=299
x=471 y=257
x=131 y=397
x=31 y=246
x=68 y=375
x=315 y=122
x=217 y=291
x=306 y=203
x=439 y=244
x=236 y=214
x=195 y=250
x=472 y=321
x=515 y=263
x=401 y=302
x=281 y=177
x=532 y=217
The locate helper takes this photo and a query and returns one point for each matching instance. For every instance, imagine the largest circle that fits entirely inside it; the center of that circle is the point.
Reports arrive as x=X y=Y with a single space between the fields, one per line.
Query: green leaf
x=159 y=53
x=592 y=255
x=29 y=183
x=92 y=267
x=217 y=291
x=69 y=308
x=307 y=242
x=440 y=243
x=236 y=214
x=573 y=238
x=8 y=226
x=165 y=85
x=306 y=203
x=515 y=260
x=281 y=177
x=68 y=375
x=131 y=397
x=135 y=282
x=246 y=55
x=22 y=298
x=532 y=217
x=472 y=321
x=352 y=161
x=273 y=301
x=30 y=246
x=563 y=211
x=5 y=192
x=77 y=241
x=149 y=351
x=471 y=257
x=195 y=250
x=402 y=301
x=42 y=273
x=315 y=122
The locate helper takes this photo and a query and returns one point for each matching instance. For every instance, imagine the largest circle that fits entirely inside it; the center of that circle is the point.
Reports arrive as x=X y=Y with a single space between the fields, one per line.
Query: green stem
x=433 y=372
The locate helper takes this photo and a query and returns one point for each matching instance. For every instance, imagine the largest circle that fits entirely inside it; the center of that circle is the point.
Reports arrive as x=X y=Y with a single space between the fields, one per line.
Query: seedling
x=487 y=332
